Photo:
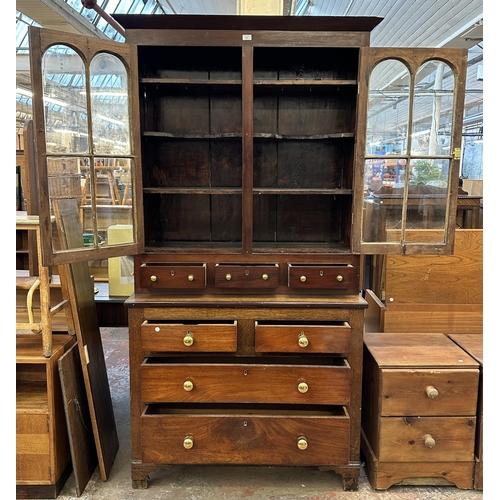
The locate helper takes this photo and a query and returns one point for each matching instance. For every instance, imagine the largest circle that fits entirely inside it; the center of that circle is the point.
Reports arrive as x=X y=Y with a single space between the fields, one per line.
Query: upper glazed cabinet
x=260 y=139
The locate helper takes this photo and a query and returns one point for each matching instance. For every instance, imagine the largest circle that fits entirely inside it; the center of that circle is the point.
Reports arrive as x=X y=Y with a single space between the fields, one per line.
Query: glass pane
x=109 y=104
x=433 y=109
x=383 y=202
x=388 y=106
x=65 y=104
x=112 y=190
x=427 y=198
x=66 y=183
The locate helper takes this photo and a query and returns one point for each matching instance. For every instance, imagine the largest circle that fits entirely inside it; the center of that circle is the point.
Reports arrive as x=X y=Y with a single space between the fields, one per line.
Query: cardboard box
x=120 y=269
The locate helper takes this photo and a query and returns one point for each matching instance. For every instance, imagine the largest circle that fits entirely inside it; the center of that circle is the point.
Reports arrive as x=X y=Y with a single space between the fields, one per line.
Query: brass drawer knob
x=265 y=277
x=303 y=387
x=302 y=443
x=431 y=392
x=303 y=279
x=153 y=278
x=188 y=442
x=188 y=385
x=228 y=277
x=303 y=340
x=190 y=277
x=188 y=339
x=340 y=277
x=429 y=441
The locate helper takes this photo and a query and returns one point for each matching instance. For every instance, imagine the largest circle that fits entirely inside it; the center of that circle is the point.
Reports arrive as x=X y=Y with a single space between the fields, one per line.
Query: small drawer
x=304 y=338
x=173 y=276
x=188 y=336
x=168 y=380
x=429 y=392
x=229 y=436
x=247 y=275
x=305 y=276
x=426 y=439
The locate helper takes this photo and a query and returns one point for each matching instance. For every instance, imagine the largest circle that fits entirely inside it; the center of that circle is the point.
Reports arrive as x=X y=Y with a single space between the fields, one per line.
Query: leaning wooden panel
x=429 y=318
x=81 y=297
x=438 y=279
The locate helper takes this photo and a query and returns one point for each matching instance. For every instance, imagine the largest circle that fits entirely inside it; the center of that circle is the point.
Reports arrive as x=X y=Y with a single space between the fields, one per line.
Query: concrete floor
x=223 y=483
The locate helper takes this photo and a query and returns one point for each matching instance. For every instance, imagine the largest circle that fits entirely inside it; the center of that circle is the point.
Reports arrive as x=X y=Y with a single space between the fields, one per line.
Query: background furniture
x=419 y=410
x=43 y=461
x=430 y=293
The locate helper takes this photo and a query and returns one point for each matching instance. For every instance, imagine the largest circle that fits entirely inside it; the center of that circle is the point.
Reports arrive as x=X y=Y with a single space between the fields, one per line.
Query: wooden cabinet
x=419 y=404
x=245 y=140
x=43 y=461
x=219 y=380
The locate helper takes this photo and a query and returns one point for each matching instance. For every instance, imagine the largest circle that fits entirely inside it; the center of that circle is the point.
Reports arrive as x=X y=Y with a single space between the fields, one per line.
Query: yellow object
x=120 y=269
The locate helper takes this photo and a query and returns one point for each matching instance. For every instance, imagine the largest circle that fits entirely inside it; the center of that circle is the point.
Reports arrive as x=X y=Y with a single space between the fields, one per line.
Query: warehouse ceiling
x=424 y=23
x=406 y=23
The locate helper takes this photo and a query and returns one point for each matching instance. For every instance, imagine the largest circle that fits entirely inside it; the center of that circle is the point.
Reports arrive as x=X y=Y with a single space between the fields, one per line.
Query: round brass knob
x=340 y=277
x=431 y=392
x=188 y=442
x=228 y=277
x=188 y=385
x=190 y=277
x=153 y=278
x=188 y=339
x=429 y=441
x=303 y=279
x=302 y=443
x=265 y=277
x=303 y=340
x=303 y=387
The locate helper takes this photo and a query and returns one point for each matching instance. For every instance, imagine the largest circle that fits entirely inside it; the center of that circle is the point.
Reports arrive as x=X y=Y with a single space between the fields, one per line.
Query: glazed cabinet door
x=409 y=148
x=88 y=146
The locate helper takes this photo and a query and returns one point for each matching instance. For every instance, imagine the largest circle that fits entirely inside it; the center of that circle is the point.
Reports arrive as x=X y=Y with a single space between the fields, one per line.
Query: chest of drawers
x=419 y=410
x=245 y=381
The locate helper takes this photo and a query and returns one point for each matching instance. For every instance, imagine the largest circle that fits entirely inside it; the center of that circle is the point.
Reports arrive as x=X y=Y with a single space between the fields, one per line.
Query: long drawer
x=188 y=336
x=427 y=439
x=433 y=392
x=245 y=437
x=303 y=338
x=245 y=383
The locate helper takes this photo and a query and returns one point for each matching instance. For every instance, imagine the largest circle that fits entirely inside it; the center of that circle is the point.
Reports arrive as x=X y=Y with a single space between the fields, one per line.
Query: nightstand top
x=417 y=350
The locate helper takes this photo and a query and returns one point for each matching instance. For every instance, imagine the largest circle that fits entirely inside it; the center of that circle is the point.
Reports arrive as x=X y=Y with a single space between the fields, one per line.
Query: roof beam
x=57 y=15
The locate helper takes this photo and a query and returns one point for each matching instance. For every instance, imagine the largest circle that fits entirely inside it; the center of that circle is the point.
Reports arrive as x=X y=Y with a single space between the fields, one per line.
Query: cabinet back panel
x=298 y=218
x=293 y=164
x=169 y=162
x=192 y=218
x=191 y=162
x=190 y=62
x=180 y=110
x=306 y=63
x=319 y=112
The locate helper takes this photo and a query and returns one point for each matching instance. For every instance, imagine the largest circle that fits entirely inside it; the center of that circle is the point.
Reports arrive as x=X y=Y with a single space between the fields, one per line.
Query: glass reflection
x=388 y=109
x=109 y=105
x=433 y=109
x=65 y=104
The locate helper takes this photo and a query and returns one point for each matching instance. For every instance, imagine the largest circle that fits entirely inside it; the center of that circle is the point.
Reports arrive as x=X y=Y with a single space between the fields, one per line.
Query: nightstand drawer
x=165 y=380
x=188 y=336
x=247 y=276
x=303 y=338
x=426 y=439
x=176 y=276
x=244 y=437
x=429 y=392
x=338 y=277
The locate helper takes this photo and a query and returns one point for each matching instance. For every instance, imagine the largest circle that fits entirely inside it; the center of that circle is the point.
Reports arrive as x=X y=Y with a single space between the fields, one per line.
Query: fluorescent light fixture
x=110 y=120
x=25 y=92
